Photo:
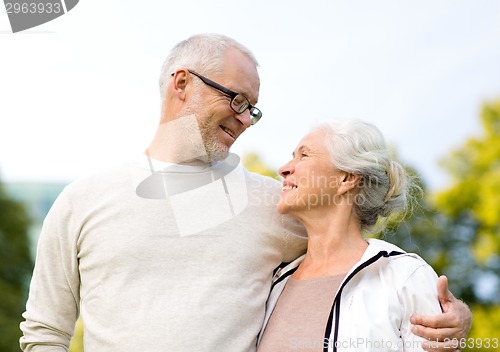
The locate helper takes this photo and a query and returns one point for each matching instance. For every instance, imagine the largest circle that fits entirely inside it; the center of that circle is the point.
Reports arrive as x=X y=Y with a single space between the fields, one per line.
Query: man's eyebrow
x=246 y=95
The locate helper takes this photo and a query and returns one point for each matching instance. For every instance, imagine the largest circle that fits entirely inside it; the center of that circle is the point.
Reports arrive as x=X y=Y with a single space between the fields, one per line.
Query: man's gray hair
x=203 y=53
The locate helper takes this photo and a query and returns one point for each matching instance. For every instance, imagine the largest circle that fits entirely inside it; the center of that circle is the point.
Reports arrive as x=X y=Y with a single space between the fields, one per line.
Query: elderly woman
x=348 y=292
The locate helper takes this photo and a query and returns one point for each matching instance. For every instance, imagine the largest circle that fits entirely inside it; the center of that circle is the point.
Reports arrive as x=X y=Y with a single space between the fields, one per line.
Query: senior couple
x=184 y=251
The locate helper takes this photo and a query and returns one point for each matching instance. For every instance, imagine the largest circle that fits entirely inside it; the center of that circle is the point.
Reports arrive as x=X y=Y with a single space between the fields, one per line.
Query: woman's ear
x=348 y=182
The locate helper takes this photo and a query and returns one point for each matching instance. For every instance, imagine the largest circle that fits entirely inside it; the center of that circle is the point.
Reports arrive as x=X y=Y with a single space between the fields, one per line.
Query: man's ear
x=348 y=182
x=179 y=83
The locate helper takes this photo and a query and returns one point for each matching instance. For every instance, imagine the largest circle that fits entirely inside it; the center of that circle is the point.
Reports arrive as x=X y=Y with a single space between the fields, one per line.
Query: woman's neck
x=335 y=244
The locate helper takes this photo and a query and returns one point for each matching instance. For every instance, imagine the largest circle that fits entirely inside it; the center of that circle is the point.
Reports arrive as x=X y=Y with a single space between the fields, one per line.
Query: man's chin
x=212 y=157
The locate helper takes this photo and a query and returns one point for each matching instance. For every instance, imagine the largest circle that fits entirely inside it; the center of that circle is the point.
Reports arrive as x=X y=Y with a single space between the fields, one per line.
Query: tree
x=473 y=198
x=15 y=269
x=442 y=241
x=254 y=163
x=472 y=203
x=457 y=230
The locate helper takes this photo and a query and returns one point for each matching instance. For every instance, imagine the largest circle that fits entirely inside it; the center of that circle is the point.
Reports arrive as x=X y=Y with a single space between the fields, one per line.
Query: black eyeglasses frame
x=255 y=113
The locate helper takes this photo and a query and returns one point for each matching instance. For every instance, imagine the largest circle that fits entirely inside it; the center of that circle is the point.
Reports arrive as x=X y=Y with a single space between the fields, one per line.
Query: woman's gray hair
x=385 y=187
x=203 y=53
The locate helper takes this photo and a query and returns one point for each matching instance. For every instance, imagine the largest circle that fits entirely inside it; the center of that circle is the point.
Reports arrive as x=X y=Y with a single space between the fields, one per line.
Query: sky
x=80 y=93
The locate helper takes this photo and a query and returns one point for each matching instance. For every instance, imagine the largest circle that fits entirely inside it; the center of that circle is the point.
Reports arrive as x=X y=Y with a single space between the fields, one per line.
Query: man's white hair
x=203 y=53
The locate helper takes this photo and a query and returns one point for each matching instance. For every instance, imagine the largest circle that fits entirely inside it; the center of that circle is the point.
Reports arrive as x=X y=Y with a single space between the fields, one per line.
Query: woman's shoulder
x=402 y=265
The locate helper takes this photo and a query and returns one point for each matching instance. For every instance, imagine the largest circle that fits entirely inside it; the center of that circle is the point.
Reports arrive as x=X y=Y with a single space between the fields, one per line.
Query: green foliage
x=76 y=344
x=472 y=204
x=254 y=163
x=475 y=192
x=458 y=229
x=485 y=329
x=443 y=242
x=15 y=270
x=473 y=200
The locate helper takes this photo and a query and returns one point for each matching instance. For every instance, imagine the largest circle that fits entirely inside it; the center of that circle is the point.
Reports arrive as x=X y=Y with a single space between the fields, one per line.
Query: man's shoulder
x=105 y=179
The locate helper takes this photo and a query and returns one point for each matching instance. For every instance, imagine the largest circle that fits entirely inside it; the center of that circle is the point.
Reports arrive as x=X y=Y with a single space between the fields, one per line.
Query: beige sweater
x=178 y=260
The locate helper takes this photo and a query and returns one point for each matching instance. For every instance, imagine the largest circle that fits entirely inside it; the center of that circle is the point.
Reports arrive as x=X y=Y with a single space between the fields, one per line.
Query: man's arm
x=53 y=302
x=445 y=330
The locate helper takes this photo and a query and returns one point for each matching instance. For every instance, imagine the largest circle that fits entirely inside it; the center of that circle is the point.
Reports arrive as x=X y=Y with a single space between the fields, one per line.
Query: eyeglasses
x=239 y=103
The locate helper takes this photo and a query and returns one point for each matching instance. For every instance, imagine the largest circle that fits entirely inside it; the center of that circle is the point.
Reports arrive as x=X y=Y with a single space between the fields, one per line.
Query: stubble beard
x=215 y=150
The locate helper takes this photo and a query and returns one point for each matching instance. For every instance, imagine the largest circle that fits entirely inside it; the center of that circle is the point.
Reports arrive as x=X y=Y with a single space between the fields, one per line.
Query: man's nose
x=244 y=118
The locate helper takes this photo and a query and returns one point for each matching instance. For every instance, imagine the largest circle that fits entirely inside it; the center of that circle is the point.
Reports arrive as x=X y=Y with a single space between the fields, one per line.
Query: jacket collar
x=375 y=247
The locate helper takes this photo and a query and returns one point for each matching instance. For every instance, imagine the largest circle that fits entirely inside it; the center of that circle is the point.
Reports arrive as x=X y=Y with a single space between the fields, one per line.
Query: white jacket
x=373 y=305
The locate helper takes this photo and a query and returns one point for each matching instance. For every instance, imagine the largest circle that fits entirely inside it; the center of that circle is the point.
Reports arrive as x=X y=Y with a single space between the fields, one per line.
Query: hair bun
x=359 y=148
x=397 y=180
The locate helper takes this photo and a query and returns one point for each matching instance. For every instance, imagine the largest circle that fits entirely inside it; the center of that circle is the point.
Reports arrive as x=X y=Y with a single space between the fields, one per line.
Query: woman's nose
x=286 y=169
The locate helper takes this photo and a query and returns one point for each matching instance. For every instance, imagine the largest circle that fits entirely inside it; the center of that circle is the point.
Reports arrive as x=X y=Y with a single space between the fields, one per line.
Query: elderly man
x=174 y=252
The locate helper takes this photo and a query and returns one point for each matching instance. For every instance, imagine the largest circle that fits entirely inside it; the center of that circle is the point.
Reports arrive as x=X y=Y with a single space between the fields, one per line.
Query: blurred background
x=80 y=93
